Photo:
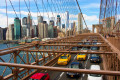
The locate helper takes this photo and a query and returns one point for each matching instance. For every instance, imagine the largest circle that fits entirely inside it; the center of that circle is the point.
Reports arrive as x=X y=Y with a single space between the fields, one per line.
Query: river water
x=6 y=58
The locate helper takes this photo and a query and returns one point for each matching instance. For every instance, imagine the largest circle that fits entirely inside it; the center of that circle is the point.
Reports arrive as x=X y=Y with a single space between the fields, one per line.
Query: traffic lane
x=88 y=64
x=54 y=75
x=64 y=76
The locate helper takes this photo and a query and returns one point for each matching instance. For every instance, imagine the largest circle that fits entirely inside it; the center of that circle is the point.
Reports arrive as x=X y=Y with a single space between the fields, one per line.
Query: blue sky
x=90 y=10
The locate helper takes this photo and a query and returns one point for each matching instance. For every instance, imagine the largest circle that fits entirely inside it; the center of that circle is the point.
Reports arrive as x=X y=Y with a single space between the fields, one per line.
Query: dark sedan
x=95 y=58
x=75 y=65
x=94 y=48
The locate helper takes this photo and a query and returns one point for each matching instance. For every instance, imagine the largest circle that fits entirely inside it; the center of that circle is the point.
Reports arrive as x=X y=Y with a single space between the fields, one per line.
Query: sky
x=50 y=8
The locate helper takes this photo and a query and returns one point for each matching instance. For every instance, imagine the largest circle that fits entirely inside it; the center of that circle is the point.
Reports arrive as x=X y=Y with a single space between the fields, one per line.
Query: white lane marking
x=82 y=77
x=74 y=58
x=54 y=64
x=86 y=65
x=61 y=75
x=64 y=72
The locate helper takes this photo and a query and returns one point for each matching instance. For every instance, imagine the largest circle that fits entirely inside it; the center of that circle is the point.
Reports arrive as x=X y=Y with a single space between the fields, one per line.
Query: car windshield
x=74 y=48
x=81 y=54
x=84 y=48
x=80 y=43
x=87 y=43
x=33 y=79
x=94 y=48
x=95 y=75
x=94 y=43
x=63 y=57
x=74 y=66
x=94 y=55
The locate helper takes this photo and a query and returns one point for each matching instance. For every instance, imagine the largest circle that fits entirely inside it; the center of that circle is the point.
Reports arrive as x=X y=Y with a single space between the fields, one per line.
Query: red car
x=40 y=76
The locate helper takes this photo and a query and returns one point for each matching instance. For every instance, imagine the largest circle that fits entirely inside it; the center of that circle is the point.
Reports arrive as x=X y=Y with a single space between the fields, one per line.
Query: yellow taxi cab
x=81 y=56
x=64 y=59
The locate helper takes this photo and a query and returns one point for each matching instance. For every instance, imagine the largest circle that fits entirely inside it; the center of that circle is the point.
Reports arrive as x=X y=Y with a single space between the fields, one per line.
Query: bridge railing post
x=27 y=59
x=1 y=77
x=15 y=70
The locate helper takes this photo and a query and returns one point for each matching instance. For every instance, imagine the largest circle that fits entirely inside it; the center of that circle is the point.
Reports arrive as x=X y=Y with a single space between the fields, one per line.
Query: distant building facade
x=40 y=19
x=58 y=23
x=24 y=21
x=10 y=32
x=43 y=30
x=55 y=32
x=4 y=33
x=17 y=29
x=24 y=31
x=1 y=33
x=67 y=20
x=80 y=23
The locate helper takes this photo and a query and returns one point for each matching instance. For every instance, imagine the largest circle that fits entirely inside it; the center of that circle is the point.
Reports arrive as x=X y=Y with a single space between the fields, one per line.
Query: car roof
x=37 y=75
x=95 y=67
x=75 y=63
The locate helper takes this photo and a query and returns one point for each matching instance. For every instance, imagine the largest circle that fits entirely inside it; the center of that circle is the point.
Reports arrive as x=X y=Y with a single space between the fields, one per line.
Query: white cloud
x=3 y=20
x=89 y=19
x=92 y=18
x=92 y=5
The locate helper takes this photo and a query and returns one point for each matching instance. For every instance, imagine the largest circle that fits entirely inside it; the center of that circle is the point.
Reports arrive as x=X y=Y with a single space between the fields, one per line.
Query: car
x=95 y=58
x=64 y=59
x=40 y=76
x=95 y=40
x=80 y=43
x=94 y=43
x=94 y=76
x=84 y=49
x=81 y=56
x=87 y=43
x=94 y=48
x=74 y=48
x=75 y=65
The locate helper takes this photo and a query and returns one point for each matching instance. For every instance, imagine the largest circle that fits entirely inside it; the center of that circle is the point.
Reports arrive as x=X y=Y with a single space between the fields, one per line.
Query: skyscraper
x=17 y=29
x=40 y=19
x=29 y=24
x=29 y=20
x=58 y=23
x=42 y=30
x=51 y=22
x=1 y=33
x=24 y=31
x=45 y=26
x=63 y=26
x=4 y=33
x=24 y=21
x=67 y=20
x=50 y=29
x=80 y=23
x=10 y=32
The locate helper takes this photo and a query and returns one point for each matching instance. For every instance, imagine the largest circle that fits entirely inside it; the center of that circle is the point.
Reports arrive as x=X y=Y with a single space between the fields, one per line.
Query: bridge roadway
x=54 y=75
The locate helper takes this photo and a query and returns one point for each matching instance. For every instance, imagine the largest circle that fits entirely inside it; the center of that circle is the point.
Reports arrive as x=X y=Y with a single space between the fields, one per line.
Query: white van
x=94 y=76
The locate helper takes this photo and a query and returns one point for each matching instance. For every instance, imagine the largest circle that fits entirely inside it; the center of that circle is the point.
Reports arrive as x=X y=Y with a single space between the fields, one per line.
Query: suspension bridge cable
x=37 y=7
x=82 y=14
x=19 y=9
x=13 y=8
x=45 y=9
x=29 y=11
x=50 y=8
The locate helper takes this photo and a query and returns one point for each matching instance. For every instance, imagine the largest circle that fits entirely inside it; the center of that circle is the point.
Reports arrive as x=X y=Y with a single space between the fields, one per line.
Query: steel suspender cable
x=45 y=9
x=82 y=14
x=13 y=8
x=50 y=8
x=29 y=10
x=19 y=9
x=37 y=7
